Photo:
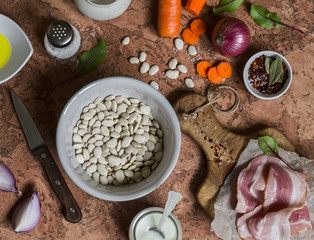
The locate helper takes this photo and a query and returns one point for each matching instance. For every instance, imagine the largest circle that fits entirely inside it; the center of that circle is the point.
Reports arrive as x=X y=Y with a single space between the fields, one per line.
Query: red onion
x=7 y=180
x=230 y=37
x=27 y=214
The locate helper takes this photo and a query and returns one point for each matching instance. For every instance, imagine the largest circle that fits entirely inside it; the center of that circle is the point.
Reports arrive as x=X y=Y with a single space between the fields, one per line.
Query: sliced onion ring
x=7 y=180
x=27 y=214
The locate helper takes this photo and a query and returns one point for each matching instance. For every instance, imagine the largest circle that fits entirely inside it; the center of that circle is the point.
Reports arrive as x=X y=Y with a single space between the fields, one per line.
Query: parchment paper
x=224 y=224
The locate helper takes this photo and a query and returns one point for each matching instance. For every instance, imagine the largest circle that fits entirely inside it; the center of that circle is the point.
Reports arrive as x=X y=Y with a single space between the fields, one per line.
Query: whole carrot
x=168 y=23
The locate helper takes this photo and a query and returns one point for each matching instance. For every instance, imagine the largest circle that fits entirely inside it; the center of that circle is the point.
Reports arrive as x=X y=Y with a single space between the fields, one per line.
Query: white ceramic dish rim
x=257 y=93
x=27 y=42
x=102 y=195
x=154 y=209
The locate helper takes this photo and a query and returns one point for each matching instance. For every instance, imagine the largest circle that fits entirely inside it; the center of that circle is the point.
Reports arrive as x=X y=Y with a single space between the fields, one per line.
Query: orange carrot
x=224 y=69
x=213 y=76
x=203 y=67
x=198 y=26
x=195 y=6
x=189 y=37
x=168 y=23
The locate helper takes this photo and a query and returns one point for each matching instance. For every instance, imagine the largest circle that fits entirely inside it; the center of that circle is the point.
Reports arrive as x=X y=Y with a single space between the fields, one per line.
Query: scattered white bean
x=125 y=40
x=172 y=74
x=173 y=63
x=182 y=68
x=154 y=84
x=192 y=50
x=153 y=70
x=134 y=60
x=178 y=43
x=189 y=82
x=142 y=56
x=144 y=67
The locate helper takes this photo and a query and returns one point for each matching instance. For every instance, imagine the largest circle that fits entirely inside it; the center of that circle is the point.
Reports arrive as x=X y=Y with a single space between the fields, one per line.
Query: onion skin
x=27 y=214
x=230 y=37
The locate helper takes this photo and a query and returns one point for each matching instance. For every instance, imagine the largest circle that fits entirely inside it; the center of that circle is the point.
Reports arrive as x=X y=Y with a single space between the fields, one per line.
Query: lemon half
x=5 y=50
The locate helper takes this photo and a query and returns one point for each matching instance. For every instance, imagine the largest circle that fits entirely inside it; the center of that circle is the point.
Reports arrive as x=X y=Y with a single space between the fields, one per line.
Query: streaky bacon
x=252 y=181
x=242 y=223
x=300 y=220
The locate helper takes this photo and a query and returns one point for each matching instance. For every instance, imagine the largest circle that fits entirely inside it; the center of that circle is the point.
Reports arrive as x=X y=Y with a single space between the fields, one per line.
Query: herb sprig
x=227 y=6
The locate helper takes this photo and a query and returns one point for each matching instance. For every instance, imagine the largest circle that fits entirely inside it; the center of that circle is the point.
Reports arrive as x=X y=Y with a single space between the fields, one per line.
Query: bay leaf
x=268 y=62
x=89 y=60
x=275 y=71
x=227 y=6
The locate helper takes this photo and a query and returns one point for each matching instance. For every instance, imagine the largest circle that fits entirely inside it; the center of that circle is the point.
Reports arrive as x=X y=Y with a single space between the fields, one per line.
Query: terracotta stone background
x=36 y=84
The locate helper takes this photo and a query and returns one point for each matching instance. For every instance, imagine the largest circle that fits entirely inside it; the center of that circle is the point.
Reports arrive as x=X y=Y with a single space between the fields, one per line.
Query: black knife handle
x=73 y=213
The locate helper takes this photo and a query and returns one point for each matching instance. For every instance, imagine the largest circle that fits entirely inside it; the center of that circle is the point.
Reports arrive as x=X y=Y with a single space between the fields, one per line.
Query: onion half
x=230 y=37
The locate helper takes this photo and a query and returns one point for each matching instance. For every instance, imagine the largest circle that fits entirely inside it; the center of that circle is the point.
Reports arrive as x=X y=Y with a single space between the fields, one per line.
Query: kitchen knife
x=41 y=153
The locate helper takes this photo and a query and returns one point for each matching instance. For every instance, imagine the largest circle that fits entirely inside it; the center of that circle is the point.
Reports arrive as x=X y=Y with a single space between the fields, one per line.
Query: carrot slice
x=195 y=6
x=224 y=69
x=213 y=76
x=202 y=68
x=198 y=26
x=189 y=37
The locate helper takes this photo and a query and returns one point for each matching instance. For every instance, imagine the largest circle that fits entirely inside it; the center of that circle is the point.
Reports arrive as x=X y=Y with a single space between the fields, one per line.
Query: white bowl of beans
x=118 y=138
x=256 y=78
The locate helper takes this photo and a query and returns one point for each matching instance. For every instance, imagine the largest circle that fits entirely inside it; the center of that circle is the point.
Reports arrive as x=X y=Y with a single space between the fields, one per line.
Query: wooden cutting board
x=221 y=147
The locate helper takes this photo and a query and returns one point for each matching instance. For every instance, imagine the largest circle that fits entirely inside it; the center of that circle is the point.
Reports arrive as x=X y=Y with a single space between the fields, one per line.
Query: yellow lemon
x=5 y=50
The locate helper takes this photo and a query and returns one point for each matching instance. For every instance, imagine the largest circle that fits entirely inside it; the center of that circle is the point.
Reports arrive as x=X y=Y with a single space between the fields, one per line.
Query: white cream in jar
x=150 y=217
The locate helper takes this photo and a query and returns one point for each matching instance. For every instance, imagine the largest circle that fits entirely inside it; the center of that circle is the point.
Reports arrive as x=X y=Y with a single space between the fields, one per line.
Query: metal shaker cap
x=60 y=34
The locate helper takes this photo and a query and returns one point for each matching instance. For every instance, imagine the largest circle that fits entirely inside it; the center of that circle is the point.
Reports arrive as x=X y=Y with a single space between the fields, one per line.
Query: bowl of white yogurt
x=149 y=218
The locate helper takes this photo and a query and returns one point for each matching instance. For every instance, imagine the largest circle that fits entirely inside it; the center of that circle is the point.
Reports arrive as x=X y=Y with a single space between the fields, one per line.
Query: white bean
x=154 y=84
x=173 y=63
x=120 y=176
x=142 y=56
x=189 y=82
x=178 y=43
x=172 y=74
x=182 y=68
x=153 y=70
x=144 y=67
x=192 y=50
x=125 y=40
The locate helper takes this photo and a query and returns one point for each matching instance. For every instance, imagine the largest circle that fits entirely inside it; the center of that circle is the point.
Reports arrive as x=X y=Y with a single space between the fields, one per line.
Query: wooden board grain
x=221 y=147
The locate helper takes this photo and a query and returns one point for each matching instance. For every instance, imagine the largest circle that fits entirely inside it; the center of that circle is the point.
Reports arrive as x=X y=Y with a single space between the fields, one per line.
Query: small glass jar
x=148 y=218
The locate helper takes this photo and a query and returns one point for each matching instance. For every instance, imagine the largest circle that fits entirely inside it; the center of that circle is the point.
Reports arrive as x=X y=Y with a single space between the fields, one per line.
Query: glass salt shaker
x=62 y=40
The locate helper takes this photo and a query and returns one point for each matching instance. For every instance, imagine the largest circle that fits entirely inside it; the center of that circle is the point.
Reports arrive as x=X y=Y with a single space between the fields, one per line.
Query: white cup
x=102 y=9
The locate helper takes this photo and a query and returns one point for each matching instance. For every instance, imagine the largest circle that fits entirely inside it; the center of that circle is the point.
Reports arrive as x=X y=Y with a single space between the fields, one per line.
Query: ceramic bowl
x=162 y=112
x=257 y=93
x=102 y=9
x=21 y=48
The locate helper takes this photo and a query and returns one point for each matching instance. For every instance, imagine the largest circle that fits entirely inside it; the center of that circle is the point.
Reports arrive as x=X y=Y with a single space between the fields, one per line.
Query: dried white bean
x=158 y=156
x=103 y=180
x=142 y=56
x=189 y=83
x=154 y=84
x=120 y=176
x=172 y=74
x=80 y=158
x=178 y=43
x=182 y=68
x=173 y=63
x=87 y=116
x=91 y=169
x=77 y=138
x=192 y=50
x=97 y=152
x=125 y=40
x=145 y=109
x=144 y=67
x=153 y=70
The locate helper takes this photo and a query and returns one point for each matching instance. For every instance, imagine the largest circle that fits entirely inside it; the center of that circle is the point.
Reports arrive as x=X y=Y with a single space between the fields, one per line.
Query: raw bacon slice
x=300 y=220
x=252 y=181
x=272 y=226
x=242 y=223
x=285 y=188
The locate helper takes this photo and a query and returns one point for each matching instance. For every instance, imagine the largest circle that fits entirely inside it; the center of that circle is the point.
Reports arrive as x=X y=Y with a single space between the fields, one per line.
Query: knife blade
x=40 y=152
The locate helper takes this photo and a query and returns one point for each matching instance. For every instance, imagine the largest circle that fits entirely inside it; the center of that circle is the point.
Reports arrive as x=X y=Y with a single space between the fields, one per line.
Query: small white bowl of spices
x=118 y=138
x=267 y=75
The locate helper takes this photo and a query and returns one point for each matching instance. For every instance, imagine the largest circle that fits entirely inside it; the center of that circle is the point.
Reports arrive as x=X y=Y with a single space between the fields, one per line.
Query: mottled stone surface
x=37 y=85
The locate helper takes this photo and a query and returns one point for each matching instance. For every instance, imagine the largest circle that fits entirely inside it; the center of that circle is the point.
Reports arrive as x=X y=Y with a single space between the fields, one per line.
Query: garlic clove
x=7 y=180
x=27 y=214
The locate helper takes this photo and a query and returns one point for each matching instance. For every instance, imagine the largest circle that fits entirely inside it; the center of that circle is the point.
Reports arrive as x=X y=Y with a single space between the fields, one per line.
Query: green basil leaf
x=275 y=71
x=89 y=60
x=268 y=145
x=264 y=18
x=227 y=6
x=268 y=62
